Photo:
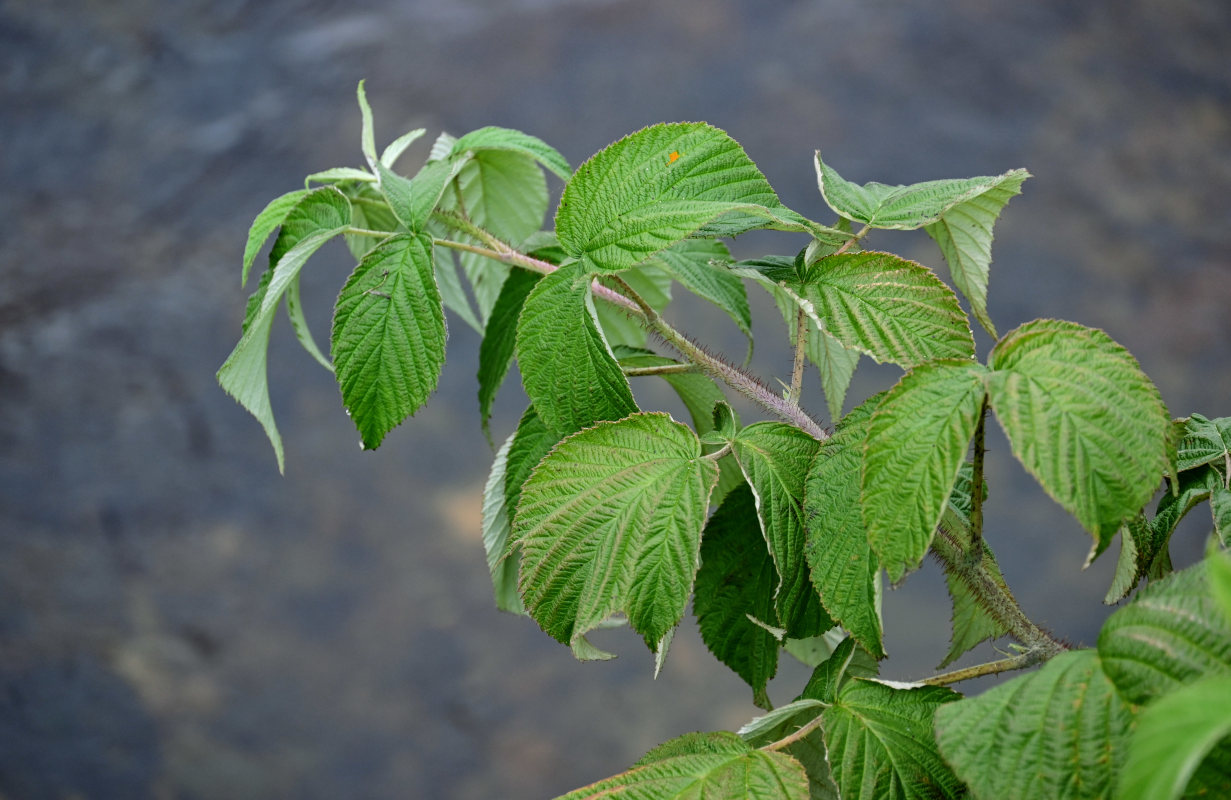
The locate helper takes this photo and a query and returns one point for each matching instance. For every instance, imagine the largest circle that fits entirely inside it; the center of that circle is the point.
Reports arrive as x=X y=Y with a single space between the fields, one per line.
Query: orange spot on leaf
x=675 y=154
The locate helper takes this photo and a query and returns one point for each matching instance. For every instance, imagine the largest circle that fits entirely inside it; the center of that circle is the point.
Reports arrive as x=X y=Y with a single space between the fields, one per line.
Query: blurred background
x=179 y=621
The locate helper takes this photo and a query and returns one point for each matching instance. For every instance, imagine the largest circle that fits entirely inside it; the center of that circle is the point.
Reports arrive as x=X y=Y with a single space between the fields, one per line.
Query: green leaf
x=1173 y=735
x=899 y=207
x=1219 y=566
x=493 y=139
x=737 y=581
x=339 y=175
x=1203 y=441
x=265 y=223
x=835 y=362
x=652 y=189
x=294 y=310
x=389 y=336
x=917 y=441
x=1084 y=420
x=531 y=441
x=1171 y=634
x=831 y=675
x=689 y=262
x=496 y=534
x=317 y=218
x=413 y=200
x=809 y=750
x=1056 y=734
x=496 y=351
x=1193 y=487
x=964 y=234
x=696 y=743
x=775 y=458
x=892 y=309
x=611 y=521
x=1220 y=507
x=881 y=745
x=369 y=211
x=243 y=376
x=619 y=328
x=844 y=570
x=368 y=137
x=1142 y=553
x=452 y=294
x=394 y=151
x=715 y=771
x=567 y=369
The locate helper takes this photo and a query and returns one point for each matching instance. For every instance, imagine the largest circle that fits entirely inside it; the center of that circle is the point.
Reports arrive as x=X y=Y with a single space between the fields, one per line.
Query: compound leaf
x=843 y=567
x=917 y=441
x=1059 y=733
x=881 y=744
x=890 y=308
x=567 y=368
x=389 y=336
x=1083 y=418
x=611 y=521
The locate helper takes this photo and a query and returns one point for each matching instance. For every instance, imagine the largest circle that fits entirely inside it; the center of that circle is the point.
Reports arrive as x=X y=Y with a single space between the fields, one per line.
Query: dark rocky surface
x=178 y=621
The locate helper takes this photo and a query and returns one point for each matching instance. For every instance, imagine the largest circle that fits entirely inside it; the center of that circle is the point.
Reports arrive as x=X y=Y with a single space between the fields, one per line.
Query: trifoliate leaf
x=737 y=581
x=917 y=441
x=652 y=189
x=881 y=744
x=775 y=458
x=964 y=234
x=496 y=535
x=689 y=262
x=611 y=521
x=493 y=139
x=1172 y=633
x=844 y=569
x=567 y=369
x=1059 y=733
x=389 y=336
x=496 y=351
x=890 y=308
x=1083 y=418
x=1174 y=734
x=898 y=207
x=265 y=223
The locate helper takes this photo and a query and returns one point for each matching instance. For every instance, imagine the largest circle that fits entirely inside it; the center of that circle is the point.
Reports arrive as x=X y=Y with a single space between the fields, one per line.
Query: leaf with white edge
x=890 y=308
x=719 y=771
x=844 y=570
x=781 y=722
x=897 y=207
x=368 y=135
x=964 y=234
x=689 y=262
x=389 y=336
x=1057 y=734
x=881 y=744
x=266 y=223
x=567 y=368
x=339 y=175
x=496 y=350
x=917 y=442
x=393 y=152
x=493 y=139
x=414 y=199
x=736 y=581
x=1084 y=420
x=652 y=189
x=1204 y=441
x=1174 y=734
x=654 y=287
x=496 y=535
x=610 y=521
x=1172 y=633
x=775 y=458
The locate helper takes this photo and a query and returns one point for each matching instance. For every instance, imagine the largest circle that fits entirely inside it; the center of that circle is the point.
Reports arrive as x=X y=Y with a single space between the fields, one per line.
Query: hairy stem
x=976 y=486
x=787 y=741
x=663 y=369
x=849 y=243
x=801 y=341
x=1027 y=659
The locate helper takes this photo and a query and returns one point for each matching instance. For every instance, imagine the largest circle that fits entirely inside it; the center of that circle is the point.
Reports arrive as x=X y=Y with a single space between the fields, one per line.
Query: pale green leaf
x=368 y=136
x=835 y=362
x=567 y=369
x=610 y=521
x=266 y=223
x=690 y=263
x=1172 y=633
x=696 y=743
x=890 y=308
x=809 y=751
x=737 y=581
x=964 y=234
x=294 y=310
x=1220 y=507
x=843 y=567
x=1140 y=548
x=369 y=211
x=414 y=199
x=1083 y=418
x=881 y=745
x=340 y=175
x=531 y=441
x=726 y=774
x=243 y=376
x=452 y=293
x=1056 y=734
x=1219 y=566
x=1193 y=487
x=775 y=458
x=1204 y=441
x=493 y=139
x=897 y=207
x=496 y=351
x=442 y=148
x=496 y=535
x=652 y=189
x=393 y=152
x=389 y=336
x=1173 y=735
x=316 y=218
x=781 y=722
x=917 y=441
x=654 y=286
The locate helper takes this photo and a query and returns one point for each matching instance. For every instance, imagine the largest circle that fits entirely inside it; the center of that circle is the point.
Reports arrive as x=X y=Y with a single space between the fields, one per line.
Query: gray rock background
x=178 y=621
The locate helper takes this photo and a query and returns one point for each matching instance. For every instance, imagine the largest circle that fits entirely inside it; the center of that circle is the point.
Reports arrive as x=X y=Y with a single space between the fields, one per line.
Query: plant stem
x=663 y=369
x=366 y=232
x=1027 y=659
x=719 y=453
x=976 y=486
x=849 y=243
x=801 y=341
x=803 y=731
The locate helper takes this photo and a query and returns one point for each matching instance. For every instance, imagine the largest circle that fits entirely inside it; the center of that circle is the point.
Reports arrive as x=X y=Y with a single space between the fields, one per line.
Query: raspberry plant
x=597 y=512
